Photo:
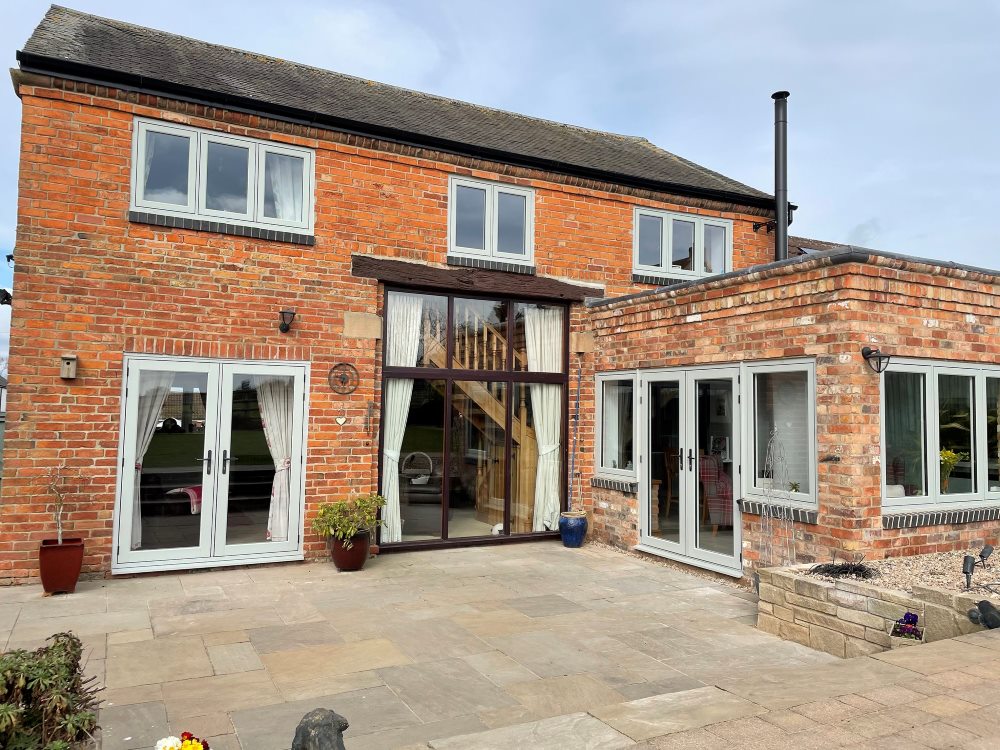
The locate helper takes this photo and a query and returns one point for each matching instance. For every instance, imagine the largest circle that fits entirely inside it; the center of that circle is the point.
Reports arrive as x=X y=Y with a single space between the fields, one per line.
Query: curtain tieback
x=138 y=465
x=285 y=465
x=391 y=455
x=544 y=450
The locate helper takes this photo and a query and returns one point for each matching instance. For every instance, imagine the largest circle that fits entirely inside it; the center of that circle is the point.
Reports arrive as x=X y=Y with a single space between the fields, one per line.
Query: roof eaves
x=32 y=63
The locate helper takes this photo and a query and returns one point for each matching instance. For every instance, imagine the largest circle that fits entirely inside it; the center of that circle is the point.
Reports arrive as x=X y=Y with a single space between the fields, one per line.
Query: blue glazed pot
x=573 y=527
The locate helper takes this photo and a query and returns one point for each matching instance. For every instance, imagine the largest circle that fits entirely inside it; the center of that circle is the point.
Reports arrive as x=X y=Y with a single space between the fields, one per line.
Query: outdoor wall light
x=876 y=360
x=287 y=316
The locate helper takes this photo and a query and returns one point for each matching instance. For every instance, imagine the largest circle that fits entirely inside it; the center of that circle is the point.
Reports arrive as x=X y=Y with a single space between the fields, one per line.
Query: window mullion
x=492 y=227
x=698 y=261
x=934 y=439
x=666 y=244
x=979 y=423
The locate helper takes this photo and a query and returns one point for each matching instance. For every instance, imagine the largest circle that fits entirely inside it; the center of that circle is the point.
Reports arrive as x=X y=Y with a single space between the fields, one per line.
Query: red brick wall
x=827 y=313
x=88 y=281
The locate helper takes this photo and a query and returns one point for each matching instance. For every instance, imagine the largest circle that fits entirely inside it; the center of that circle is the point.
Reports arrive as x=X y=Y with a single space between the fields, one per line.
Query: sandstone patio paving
x=529 y=646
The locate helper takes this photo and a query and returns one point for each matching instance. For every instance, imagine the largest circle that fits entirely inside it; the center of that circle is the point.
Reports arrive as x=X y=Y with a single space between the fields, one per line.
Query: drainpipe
x=781 y=174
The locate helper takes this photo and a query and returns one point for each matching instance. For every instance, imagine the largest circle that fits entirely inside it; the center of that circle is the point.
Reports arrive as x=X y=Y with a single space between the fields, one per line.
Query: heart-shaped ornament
x=341 y=421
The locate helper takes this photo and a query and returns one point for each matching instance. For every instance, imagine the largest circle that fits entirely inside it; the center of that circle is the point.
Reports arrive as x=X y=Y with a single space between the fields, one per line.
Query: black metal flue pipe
x=780 y=174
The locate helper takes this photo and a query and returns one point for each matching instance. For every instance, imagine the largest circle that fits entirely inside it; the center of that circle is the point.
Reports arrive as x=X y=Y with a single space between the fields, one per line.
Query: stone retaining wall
x=849 y=618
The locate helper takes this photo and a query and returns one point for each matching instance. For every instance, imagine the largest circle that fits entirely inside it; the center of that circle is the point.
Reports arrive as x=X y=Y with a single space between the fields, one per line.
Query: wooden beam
x=471 y=280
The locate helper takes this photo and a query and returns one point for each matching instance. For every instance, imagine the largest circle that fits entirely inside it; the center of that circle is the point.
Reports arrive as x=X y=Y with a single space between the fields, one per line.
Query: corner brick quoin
x=90 y=281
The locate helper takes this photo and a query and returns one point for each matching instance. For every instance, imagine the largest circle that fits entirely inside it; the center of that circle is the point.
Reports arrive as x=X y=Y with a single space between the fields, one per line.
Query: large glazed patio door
x=211 y=463
x=689 y=466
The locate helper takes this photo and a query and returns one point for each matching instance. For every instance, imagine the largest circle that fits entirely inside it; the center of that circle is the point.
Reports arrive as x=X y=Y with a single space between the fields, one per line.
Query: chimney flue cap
x=779 y=95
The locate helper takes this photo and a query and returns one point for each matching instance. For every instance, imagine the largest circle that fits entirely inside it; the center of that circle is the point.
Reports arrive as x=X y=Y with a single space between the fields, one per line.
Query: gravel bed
x=939 y=570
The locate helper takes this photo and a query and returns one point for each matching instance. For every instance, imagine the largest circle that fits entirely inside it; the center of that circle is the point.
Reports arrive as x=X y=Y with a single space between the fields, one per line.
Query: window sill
x=798 y=514
x=489 y=264
x=220 y=227
x=618 y=485
x=897 y=517
x=639 y=277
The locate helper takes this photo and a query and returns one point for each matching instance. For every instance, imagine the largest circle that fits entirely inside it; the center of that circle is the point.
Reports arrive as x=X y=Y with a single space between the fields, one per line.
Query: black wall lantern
x=876 y=360
x=287 y=316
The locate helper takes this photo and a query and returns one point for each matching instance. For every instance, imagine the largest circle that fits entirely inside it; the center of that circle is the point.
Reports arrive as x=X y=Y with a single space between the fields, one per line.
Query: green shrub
x=45 y=701
x=345 y=518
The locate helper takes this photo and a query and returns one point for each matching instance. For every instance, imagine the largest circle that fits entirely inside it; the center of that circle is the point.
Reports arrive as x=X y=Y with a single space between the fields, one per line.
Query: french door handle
x=690 y=460
x=207 y=460
x=680 y=459
x=226 y=458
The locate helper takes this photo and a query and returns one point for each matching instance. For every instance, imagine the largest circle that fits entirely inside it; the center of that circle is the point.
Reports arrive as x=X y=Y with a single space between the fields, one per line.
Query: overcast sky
x=894 y=115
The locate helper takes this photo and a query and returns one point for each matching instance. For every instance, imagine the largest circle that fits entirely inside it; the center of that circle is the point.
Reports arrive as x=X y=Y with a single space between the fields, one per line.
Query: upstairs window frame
x=490 y=250
x=666 y=270
x=197 y=178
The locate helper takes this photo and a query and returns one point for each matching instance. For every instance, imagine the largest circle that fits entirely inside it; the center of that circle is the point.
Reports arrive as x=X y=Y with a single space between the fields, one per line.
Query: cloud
x=866 y=234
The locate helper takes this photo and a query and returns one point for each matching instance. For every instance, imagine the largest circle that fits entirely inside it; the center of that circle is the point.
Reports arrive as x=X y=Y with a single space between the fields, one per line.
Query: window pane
x=226 y=178
x=957 y=430
x=905 y=435
x=479 y=470
x=993 y=432
x=283 y=186
x=536 y=457
x=421 y=459
x=715 y=249
x=511 y=223
x=666 y=467
x=616 y=425
x=682 y=245
x=165 y=168
x=480 y=330
x=423 y=317
x=470 y=217
x=538 y=338
x=650 y=240
x=782 y=443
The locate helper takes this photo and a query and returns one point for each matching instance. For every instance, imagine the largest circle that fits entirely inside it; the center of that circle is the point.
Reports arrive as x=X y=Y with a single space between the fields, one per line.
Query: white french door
x=689 y=466
x=212 y=463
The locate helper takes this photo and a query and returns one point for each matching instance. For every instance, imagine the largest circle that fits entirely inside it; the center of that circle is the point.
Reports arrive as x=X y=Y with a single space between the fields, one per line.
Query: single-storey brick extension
x=245 y=286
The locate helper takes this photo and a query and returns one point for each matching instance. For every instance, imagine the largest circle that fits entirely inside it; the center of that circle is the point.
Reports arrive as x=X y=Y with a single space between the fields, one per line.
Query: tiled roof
x=72 y=43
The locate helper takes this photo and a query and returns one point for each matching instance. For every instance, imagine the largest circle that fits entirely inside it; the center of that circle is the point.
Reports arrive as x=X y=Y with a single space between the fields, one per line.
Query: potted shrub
x=61 y=559
x=349 y=525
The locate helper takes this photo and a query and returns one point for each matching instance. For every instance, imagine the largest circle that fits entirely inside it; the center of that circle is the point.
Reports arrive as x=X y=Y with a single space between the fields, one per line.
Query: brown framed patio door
x=474 y=417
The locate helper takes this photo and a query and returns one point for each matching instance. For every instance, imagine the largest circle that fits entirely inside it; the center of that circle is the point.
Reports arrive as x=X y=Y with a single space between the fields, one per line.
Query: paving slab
x=304 y=671
x=940 y=656
x=284 y=637
x=157 y=661
x=554 y=696
x=231 y=692
x=368 y=711
x=444 y=689
x=229 y=658
x=675 y=712
x=133 y=727
x=579 y=731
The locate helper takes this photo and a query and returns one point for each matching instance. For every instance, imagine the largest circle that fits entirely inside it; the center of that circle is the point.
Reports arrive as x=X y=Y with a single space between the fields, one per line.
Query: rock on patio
x=531 y=645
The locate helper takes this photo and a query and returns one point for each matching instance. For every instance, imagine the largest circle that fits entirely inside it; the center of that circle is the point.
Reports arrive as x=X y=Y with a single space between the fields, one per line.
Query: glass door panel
x=664 y=477
x=421 y=461
x=714 y=466
x=169 y=462
x=260 y=459
x=476 y=489
x=536 y=457
x=689 y=465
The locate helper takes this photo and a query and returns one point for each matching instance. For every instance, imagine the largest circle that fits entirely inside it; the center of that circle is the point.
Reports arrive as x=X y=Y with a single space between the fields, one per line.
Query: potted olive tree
x=349 y=525
x=61 y=559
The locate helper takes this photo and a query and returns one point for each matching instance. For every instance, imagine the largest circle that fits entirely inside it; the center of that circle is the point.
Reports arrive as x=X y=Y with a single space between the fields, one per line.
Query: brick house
x=283 y=285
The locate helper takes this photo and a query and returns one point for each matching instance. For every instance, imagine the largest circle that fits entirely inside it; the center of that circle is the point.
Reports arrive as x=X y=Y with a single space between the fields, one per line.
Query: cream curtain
x=284 y=175
x=401 y=348
x=154 y=387
x=275 y=398
x=543 y=328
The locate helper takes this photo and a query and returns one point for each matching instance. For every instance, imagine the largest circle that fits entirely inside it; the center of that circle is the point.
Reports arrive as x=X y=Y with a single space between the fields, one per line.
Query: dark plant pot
x=59 y=565
x=573 y=528
x=353 y=558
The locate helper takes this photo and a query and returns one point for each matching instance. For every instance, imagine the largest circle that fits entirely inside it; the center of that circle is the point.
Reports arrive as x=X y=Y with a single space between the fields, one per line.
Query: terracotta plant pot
x=353 y=558
x=59 y=565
